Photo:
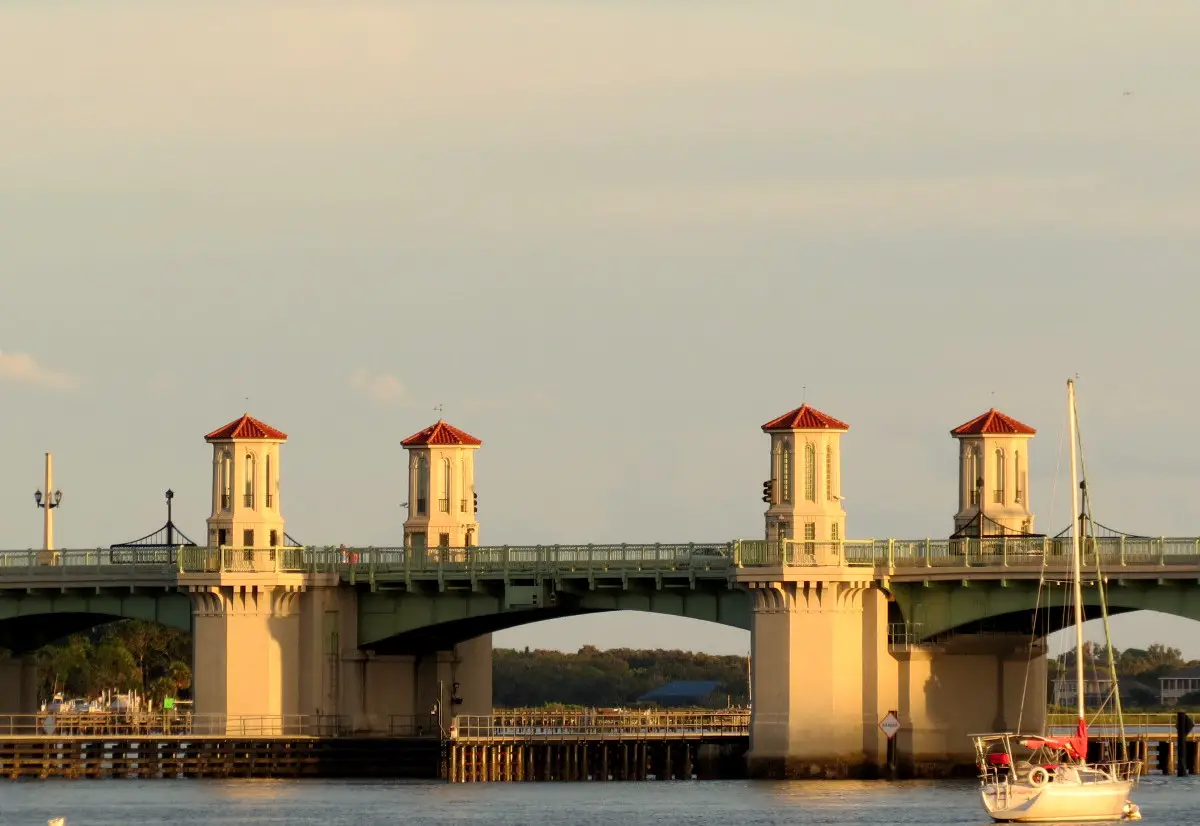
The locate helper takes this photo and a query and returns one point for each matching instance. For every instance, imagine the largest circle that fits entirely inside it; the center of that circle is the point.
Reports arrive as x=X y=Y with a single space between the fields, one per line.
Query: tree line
x=1138 y=672
x=156 y=661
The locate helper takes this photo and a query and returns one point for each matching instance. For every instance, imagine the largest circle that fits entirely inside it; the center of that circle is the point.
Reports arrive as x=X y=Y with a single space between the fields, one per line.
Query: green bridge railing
x=701 y=559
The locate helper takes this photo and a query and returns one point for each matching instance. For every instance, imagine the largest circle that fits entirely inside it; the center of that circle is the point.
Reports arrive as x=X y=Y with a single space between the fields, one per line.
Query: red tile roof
x=440 y=433
x=805 y=418
x=992 y=422
x=247 y=427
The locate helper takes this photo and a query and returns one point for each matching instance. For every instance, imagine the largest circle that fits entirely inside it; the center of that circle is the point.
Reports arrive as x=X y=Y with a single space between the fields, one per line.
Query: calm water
x=1164 y=802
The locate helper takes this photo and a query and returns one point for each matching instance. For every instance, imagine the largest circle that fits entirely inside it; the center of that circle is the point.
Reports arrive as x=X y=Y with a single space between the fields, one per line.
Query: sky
x=610 y=239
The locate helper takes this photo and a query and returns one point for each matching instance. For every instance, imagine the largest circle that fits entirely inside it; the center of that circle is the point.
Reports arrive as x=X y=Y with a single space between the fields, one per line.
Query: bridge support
x=18 y=685
x=246 y=648
x=414 y=693
x=821 y=675
x=934 y=681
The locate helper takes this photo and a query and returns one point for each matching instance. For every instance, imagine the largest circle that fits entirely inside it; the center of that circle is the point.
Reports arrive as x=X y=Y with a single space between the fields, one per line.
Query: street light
x=48 y=502
x=170 y=524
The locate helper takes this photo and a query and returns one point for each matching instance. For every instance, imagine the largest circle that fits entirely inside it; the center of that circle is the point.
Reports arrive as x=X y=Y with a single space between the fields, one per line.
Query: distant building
x=1098 y=690
x=683 y=693
x=1097 y=687
x=1178 y=683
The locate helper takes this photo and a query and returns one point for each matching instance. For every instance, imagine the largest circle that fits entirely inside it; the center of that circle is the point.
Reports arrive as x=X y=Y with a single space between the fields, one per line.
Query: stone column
x=972 y=684
x=246 y=653
x=18 y=685
x=815 y=678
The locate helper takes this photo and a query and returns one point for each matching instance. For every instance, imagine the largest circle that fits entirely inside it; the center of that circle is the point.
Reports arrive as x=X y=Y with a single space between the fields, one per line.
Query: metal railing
x=172 y=723
x=601 y=725
x=708 y=559
x=1136 y=724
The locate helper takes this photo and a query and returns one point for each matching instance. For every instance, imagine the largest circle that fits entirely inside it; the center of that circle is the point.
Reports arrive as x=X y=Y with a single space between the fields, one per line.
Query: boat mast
x=1076 y=565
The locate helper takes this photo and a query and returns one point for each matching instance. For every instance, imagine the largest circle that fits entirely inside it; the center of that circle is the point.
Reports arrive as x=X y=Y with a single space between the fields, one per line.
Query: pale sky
x=612 y=237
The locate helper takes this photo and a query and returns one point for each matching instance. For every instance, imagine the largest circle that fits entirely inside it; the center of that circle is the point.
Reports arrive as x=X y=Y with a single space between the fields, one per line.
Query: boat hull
x=1057 y=802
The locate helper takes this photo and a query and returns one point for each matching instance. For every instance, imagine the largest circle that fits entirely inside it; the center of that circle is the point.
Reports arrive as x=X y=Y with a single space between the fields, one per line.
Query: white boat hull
x=1057 y=802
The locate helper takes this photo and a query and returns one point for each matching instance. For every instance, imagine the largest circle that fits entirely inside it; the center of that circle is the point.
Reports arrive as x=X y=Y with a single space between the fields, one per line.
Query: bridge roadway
x=893 y=560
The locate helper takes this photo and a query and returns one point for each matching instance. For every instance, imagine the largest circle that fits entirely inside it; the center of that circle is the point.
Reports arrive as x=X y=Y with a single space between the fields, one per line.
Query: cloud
x=382 y=387
x=22 y=368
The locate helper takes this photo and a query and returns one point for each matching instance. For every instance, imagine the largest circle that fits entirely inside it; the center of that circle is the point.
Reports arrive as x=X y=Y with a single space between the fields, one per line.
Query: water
x=1165 y=801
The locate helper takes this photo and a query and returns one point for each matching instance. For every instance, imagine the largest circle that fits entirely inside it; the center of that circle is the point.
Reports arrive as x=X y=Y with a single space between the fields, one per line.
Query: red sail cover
x=1078 y=743
x=1075 y=745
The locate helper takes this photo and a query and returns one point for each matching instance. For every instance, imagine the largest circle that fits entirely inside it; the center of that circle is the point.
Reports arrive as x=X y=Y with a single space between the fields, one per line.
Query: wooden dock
x=597 y=745
x=190 y=756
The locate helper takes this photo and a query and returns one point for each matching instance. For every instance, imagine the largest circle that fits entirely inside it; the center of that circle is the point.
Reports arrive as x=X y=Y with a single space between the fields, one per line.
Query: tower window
x=269 y=491
x=785 y=471
x=249 y=497
x=222 y=537
x=226 y=480
x=829 y=473
x=835 y=531
x=422 y=486
x=810 y=473
x=974 y=482
x=248 y=538
x=810 y=533
x=998 y=493
x=274 y=539
x=444 y=499
x=1020 y=496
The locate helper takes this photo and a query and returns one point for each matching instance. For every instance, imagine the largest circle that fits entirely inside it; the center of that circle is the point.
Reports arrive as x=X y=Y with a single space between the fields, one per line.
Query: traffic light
x=769 y=490
x=475 y=500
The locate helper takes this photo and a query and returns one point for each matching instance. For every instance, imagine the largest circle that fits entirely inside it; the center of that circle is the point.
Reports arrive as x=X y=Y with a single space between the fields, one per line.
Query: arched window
x=249 y=497
x=1019 y=477
x=998 y=494
x=226 y=480
x=810 y=472
x=444 y=499
x=269 y=490
x=829 y=473
x=786 y=458
x=972 y=472
x=463 y=504
x=422 y=486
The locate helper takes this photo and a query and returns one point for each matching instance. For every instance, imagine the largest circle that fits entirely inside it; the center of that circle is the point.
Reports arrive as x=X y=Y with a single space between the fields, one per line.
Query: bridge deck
x=987 y=558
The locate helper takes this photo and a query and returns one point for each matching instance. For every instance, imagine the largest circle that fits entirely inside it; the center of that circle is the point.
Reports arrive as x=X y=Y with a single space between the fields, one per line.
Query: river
x=1165 y=801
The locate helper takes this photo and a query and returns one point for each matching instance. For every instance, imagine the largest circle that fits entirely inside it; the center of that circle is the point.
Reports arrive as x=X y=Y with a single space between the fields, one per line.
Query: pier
x=119 y=745
x=597 y=745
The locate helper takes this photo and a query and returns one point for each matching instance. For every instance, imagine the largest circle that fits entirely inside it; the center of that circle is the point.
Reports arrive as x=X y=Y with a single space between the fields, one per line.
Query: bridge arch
x=409 y=622
x=29 y=621
x=935 y=609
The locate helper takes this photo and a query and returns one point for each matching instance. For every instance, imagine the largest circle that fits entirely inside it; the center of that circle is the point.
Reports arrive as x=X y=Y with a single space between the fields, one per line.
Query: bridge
x=843 y=630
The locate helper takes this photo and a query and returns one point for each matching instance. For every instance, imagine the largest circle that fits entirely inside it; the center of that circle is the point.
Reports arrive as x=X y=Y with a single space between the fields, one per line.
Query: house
x=682 y=693
x=1098 y=690
x=1097 y=687
x=1178 y=683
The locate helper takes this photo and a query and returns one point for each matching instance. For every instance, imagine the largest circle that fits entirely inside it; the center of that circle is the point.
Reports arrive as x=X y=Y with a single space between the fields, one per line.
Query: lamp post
x=48 y=503
x=170 y=524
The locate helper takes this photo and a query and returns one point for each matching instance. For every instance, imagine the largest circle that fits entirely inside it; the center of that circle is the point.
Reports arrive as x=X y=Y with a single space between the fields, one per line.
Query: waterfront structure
x=843 y=631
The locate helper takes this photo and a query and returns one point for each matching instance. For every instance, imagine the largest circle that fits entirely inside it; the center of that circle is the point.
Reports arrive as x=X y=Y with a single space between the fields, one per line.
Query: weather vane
x=439 y=408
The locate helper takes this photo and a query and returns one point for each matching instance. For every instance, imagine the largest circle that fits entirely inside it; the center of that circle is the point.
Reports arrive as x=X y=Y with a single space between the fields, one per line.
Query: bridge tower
x=805 y=495
x=993 y=478
x=245 y=485
x=441 y=488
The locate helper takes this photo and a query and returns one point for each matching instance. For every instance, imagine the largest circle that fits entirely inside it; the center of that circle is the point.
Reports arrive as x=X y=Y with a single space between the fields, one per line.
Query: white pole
x=48 y=523
x=1076 y=567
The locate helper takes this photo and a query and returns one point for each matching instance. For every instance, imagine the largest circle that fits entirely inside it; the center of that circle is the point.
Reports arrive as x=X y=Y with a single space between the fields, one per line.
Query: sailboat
x=1034 y=778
